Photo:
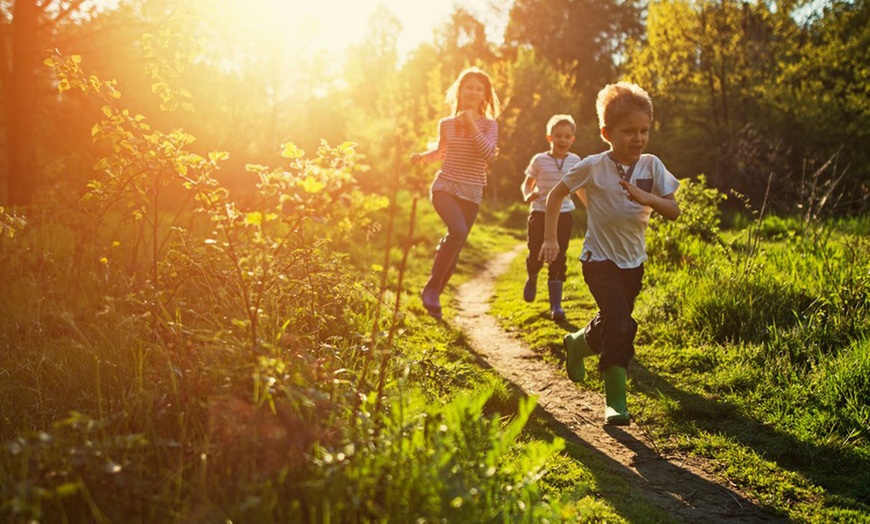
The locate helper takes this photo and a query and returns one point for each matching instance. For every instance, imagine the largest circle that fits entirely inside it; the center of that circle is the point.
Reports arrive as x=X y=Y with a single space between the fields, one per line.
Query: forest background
x=746 y=93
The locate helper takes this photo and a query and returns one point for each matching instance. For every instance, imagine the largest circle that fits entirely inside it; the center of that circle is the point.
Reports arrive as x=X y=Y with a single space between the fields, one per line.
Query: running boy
x=545 y=171
x=623 y=187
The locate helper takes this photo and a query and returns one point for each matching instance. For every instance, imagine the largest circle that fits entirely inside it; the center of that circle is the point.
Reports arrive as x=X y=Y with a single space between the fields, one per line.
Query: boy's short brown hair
x=617 y=100
x=555 y=120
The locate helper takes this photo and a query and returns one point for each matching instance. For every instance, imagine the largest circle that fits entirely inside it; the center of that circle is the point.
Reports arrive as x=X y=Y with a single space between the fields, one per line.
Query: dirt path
x=678 y=485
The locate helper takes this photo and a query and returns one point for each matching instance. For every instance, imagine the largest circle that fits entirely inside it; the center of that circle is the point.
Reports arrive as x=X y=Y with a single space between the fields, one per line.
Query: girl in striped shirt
x=466 y=144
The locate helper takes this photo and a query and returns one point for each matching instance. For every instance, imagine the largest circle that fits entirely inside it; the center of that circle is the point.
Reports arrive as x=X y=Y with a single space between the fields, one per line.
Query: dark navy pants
x=611 y=332
x=559 y=266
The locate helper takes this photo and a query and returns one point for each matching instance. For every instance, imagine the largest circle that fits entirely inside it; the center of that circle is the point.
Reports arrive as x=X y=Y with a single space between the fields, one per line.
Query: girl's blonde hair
x=617 y=100
x=489 y=106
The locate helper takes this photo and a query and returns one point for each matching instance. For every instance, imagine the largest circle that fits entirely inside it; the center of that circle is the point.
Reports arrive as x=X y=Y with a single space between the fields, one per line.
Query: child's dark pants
x=559 y=266
x=611 y=332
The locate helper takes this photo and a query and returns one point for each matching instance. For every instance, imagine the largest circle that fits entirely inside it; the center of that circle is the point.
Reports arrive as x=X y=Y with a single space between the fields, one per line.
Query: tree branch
x=66 y=11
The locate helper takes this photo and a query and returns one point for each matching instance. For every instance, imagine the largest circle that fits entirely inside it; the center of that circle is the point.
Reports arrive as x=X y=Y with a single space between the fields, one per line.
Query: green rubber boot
x=576 y=349
x=615 y=412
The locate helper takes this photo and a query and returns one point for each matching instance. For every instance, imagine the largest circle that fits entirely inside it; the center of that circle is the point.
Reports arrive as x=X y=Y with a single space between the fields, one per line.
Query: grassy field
x=752 y=352
x=222 y=365
x=235 y=368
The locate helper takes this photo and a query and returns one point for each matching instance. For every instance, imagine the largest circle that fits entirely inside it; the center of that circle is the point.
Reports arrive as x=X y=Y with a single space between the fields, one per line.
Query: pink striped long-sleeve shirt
x=465 y=152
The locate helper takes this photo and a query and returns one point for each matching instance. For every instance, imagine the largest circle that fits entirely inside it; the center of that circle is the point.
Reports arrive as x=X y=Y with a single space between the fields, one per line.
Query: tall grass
x=751 y=352
x=201 y=360
x=800 y=291
x=772 y=318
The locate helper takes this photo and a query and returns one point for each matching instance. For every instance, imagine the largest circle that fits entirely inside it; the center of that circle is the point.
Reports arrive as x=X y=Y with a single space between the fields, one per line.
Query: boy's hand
x=549 y=251
x=534 y=195
x=636 y=194
x=664 y=205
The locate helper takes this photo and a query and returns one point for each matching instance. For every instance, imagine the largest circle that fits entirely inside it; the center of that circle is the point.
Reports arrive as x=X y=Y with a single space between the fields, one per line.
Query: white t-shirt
x=616 y=224
x=547 y=171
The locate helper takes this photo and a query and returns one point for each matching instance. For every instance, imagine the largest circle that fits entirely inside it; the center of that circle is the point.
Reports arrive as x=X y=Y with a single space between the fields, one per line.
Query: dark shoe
x=432 y=303
x=576 y=349
x=531 y=288
x=615 y=411
x=556 y=311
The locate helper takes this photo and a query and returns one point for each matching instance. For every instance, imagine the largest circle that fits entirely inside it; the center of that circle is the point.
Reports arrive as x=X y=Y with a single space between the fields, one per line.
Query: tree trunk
x=20 y=104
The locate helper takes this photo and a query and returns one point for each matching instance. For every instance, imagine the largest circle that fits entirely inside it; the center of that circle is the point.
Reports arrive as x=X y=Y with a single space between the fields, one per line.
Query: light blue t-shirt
x=616 y=224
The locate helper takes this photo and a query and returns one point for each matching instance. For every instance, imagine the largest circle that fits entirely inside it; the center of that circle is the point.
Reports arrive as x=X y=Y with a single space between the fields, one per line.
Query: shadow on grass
x=656 y=490
x=569 y=327
x=842 y=473
x=654 y=475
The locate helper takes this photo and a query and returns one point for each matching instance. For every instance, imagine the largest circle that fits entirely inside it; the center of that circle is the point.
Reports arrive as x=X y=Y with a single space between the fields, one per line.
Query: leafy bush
x=776 y=227
x=10 y=223
x=433 y=464
x=220 y=361
x=670 y=242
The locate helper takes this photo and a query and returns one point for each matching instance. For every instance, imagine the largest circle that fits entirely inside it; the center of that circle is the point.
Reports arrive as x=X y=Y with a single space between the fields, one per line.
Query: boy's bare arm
x=581 y=194
x=528 y=189
x=550 y=247
x=666 y=206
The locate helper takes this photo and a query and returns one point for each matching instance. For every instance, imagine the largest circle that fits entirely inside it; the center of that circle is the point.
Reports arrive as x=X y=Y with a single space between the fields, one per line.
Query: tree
x=825 y=87
x=377 y=115
x=706 y=63
x=749 y=91
x=582 y=37
x=371 y=64
x=26 y=28
x=538 y=90
x=463 y=41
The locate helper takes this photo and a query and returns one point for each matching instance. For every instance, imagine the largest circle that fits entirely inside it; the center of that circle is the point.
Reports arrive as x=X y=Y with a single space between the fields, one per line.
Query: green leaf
x=312 y=185
x=292 y=151
x=254 y=218
x=65 y=490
